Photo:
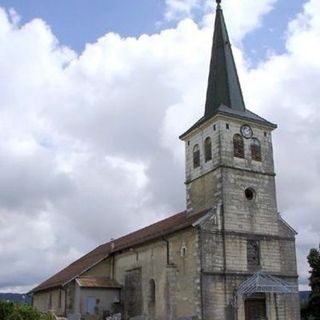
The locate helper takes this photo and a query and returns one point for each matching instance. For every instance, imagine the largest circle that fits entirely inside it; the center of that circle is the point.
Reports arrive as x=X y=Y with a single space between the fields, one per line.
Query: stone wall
x=206 y=182
x=237 y=220
x=177 y=285
x=53 y=300
x=218 y=294
x=102 y=269
x=225 y=267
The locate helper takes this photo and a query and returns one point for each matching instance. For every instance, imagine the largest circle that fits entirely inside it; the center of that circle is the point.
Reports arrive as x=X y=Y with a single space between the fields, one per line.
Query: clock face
x=246 y=131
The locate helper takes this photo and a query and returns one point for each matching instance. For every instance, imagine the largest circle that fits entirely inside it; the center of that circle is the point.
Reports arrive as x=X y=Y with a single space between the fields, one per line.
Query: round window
x=250 y=193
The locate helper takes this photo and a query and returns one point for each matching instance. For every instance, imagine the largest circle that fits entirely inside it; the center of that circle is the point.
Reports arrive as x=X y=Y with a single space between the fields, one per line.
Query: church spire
x=223 y=83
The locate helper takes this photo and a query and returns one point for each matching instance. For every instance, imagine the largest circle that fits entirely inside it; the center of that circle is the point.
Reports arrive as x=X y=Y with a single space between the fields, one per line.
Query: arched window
x=255 y=149
x=196 y=156
x=238 y=146
x=207 y=149
x=152 y=291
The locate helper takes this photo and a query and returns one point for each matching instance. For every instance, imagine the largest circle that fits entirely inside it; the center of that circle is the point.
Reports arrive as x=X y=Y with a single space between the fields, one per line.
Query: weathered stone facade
x=174 y=273
x=221 y=184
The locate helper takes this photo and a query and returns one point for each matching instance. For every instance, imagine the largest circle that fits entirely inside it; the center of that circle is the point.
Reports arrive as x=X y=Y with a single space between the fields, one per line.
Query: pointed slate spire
x=223 y=83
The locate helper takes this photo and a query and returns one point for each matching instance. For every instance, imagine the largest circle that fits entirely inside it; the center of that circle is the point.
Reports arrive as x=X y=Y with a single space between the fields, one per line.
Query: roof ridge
x=145 y=228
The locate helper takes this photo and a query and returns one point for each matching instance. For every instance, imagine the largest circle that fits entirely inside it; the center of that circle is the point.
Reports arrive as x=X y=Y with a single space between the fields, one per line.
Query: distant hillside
x=15 y=297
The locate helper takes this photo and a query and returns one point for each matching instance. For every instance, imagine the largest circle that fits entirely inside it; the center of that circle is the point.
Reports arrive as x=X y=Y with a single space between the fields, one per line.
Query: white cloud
x=291 y=82
x=90 y=141
x=177 y=9
x=242 y=16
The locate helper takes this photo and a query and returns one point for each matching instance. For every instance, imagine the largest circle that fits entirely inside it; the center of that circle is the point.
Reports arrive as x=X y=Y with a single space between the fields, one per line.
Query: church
x=228 y=256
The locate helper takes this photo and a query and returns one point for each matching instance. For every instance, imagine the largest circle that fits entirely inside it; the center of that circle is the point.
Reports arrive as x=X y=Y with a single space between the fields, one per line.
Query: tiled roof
x=75 y=268
x=157 y=230
x=98 y=282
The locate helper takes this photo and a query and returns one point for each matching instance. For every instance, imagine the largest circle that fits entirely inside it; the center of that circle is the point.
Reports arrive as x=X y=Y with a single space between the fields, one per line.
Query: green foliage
x=6 y=309
x=314 y=299
x=311 y=310
x=13 y=311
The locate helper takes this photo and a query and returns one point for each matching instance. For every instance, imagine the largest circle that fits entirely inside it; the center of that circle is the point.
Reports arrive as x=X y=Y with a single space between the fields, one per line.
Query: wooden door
x=255 y=309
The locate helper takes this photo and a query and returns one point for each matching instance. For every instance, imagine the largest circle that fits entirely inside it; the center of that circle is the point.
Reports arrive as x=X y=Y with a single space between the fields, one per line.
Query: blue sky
x=77 y=22
x=270 y=36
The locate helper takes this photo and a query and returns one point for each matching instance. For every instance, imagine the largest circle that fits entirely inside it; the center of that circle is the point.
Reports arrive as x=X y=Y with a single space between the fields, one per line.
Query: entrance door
x=255 y=309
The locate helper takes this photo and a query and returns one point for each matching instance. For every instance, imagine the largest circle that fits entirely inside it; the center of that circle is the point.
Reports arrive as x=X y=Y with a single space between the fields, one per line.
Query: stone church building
x=229 y=256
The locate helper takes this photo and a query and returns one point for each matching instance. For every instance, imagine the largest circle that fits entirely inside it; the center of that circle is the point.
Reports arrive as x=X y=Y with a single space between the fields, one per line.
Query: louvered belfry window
x=207 y=149
x=196 y=156
x=255 y=149
x=238 y=146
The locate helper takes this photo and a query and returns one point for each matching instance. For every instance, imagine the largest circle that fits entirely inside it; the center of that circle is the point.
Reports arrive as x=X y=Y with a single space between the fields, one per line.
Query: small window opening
x=188 y=143
x=183 y=250
x=238 y=146
x=214 y=127
x=255 y=149
x=207 y=149
x=196 y=156
x=227 y=126
x=152 y=292
x=249 y=193
x=265 y=134
x=253 y=254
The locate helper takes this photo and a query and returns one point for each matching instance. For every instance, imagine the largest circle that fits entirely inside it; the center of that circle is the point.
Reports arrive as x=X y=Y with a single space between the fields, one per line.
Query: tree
x=314 y=281
x=15 y=311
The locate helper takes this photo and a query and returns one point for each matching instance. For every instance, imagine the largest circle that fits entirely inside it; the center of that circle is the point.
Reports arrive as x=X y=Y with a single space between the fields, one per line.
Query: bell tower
x=229 y=157
x=247 y=251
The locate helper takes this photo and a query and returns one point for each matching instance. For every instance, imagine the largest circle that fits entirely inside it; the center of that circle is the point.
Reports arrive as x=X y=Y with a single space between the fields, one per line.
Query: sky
x=94 y=95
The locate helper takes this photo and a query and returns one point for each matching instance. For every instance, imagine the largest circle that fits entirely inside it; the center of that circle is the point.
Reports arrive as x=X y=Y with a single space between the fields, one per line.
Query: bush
x=14 y=311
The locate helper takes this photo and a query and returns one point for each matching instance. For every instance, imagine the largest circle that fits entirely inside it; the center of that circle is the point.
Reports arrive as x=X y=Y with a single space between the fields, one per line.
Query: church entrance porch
x=261 y=297
x=255 y=308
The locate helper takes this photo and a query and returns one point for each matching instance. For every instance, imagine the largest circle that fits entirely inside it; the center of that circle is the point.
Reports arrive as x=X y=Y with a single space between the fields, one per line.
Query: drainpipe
x=168 y=250
x=223 y=241
x=112 y=267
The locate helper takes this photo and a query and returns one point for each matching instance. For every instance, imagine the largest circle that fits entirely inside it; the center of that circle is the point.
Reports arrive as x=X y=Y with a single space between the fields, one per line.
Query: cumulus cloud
x=90 y=140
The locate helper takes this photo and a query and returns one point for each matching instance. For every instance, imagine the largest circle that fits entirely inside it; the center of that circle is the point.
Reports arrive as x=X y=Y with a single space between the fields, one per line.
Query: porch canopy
x=262 y=282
